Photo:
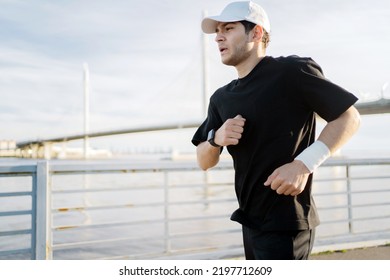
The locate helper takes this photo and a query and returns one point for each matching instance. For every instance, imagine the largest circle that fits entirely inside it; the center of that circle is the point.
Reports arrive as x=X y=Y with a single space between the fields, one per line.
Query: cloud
x=131 y=71
x=145 y=57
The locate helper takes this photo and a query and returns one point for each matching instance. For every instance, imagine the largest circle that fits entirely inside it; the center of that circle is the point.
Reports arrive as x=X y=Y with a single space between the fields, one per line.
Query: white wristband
x=314 y=155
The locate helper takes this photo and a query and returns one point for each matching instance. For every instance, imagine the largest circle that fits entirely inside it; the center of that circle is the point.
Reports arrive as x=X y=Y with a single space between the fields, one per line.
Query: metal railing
x=37 y=210
x=163 y=209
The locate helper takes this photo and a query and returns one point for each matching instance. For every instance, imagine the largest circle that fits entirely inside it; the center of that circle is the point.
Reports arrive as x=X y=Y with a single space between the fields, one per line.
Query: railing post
x=43 y=213
x=166 y=213
x=206 y=190
x=349 y=197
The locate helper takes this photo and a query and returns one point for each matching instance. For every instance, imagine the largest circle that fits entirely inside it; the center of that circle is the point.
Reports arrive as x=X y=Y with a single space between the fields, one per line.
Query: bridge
x=380 y=106
x=43 y=148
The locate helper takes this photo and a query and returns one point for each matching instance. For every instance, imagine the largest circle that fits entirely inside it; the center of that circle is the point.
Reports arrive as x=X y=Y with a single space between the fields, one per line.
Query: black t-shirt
x=278 y=99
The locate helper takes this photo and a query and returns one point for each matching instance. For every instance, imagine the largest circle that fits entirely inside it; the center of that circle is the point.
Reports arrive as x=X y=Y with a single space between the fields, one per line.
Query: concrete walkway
x=353 y=247
x=368 y=253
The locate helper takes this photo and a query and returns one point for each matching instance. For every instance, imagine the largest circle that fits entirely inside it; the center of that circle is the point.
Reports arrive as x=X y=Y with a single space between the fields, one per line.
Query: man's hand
x=230 y=132
x=289 y=179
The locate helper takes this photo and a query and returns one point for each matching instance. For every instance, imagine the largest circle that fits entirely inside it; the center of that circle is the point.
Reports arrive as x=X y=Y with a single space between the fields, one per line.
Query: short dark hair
x=250 y=25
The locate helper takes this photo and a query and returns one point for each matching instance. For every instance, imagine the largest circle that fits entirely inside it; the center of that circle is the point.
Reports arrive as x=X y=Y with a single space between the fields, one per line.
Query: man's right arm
x=228 y=134
x=208 y=155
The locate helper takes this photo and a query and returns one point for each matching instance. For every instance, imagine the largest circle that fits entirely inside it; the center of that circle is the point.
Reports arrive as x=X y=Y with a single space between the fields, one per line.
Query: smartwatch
x=210 y=138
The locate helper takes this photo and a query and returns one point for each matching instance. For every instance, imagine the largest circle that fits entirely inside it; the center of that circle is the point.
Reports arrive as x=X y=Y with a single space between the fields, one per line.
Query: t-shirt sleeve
x=325 y=98
x=213 y=121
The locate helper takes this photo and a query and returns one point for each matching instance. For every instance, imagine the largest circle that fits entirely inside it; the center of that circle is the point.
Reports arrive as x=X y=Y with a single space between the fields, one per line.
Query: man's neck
x=247 y=66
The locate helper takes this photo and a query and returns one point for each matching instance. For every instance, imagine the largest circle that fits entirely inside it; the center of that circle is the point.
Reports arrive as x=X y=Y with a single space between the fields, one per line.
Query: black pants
x=277 y=245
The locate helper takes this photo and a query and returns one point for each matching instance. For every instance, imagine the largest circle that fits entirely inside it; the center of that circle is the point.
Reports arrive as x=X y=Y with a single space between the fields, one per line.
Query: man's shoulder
x=298 y=63
x=293 y=60
x=220 y=92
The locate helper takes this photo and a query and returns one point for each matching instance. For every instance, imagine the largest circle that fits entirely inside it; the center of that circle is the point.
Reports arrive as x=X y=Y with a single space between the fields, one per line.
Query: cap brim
x=209 y=24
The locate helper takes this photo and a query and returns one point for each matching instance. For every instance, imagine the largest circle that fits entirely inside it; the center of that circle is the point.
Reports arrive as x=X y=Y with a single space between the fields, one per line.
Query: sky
x=144 y=58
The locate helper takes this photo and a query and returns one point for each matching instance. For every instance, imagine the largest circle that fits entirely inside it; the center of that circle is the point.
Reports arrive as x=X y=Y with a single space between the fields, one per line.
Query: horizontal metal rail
x=53 y=214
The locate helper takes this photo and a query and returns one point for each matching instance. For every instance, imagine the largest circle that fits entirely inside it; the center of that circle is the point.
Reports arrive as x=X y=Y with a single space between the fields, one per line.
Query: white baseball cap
x=238 y=11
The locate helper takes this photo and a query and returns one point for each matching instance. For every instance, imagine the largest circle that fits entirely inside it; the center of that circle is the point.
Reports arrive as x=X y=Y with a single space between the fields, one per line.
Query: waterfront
x=91 y=208
x=128 y=210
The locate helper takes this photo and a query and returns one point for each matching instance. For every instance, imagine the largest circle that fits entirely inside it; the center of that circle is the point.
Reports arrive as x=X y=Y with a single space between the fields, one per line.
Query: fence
x=166 y=209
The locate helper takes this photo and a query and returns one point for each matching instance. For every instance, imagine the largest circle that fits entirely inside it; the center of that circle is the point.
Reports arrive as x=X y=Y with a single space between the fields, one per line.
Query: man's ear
x=257 y=33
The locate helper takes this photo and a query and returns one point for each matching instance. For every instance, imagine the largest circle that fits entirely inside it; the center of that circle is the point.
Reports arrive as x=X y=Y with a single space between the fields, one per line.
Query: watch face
x=210 y=138
x=210 y=135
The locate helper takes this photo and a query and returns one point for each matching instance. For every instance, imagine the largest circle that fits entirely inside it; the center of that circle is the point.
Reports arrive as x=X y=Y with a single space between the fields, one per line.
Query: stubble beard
x=238 y=55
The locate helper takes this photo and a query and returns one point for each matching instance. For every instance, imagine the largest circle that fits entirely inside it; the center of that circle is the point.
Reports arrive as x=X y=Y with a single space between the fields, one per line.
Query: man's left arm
x=336 y=133
x=291 y=178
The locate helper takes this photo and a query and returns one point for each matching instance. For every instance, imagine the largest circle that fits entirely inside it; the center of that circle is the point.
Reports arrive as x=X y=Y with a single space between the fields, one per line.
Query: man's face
x=233 y=43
